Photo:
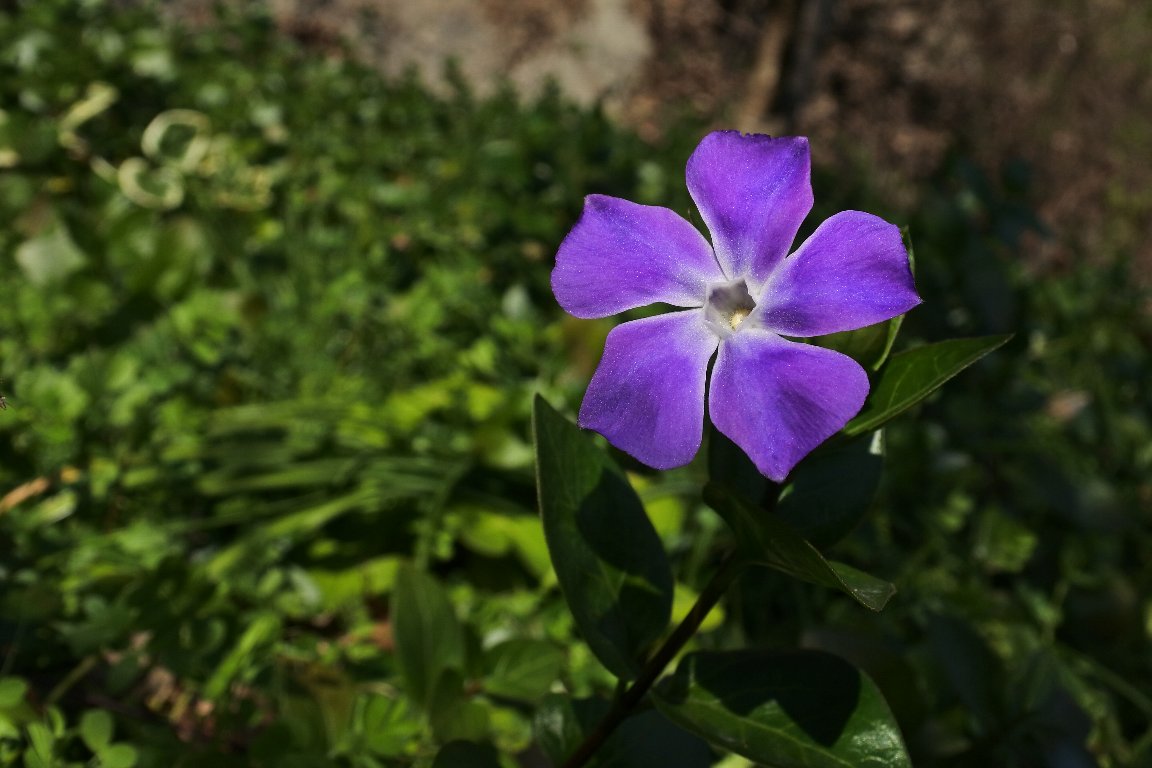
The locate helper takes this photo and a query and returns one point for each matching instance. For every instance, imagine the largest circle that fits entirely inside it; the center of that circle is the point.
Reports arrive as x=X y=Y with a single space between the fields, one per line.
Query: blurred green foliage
x=270 y=328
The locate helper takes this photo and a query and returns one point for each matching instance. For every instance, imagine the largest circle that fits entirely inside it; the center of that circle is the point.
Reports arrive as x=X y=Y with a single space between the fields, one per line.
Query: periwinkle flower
x=775 y=398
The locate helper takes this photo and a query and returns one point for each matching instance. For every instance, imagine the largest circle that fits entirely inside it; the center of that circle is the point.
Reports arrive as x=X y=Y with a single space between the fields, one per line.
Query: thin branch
x=627 y=702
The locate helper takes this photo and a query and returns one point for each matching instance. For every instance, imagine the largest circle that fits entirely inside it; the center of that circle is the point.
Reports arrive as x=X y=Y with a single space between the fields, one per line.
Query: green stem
x=625 y=703
x=86 y=665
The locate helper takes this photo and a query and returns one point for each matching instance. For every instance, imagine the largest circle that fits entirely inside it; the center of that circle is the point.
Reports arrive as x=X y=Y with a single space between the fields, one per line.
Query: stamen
x=738 y=317
x=727 y=306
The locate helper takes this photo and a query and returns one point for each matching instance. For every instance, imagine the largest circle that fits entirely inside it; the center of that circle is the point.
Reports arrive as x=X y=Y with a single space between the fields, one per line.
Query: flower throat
x=729 y=305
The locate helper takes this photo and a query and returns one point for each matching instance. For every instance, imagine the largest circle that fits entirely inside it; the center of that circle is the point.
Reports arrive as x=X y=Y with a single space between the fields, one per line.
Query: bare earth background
x=1064 y=85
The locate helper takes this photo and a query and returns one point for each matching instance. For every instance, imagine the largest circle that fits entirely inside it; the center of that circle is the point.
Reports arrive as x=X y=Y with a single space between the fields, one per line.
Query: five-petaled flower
x=777 y=399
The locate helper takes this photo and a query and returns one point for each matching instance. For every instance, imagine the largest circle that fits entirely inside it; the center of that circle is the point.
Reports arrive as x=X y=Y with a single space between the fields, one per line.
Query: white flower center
x=727 y=306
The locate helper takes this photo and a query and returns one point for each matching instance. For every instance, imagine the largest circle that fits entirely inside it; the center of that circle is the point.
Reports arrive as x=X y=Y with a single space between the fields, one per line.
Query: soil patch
x=1064 y=85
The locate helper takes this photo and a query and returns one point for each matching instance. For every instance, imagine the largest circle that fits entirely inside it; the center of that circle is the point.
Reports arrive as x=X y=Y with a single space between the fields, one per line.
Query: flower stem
x=625 y=703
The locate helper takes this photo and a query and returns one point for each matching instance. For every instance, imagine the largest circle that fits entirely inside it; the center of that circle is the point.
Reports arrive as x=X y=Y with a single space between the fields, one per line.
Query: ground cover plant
x=271 y=330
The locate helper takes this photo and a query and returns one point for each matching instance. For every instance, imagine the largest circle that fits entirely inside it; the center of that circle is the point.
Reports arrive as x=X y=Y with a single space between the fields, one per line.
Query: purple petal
x=779 y=399
x=753 y=192
x=622 y=255
x=852 y=272
x=647 y=395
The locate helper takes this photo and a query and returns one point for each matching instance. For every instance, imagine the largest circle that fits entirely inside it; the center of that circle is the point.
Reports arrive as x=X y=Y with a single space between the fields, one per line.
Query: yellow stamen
x=738 y=317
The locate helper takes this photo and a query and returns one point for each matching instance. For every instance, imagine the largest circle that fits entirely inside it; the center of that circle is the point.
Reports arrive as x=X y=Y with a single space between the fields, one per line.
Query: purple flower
x=776 y=399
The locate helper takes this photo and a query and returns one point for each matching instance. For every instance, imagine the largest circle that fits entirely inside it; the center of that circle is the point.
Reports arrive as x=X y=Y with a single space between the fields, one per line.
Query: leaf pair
x=791 y=708
x=787 y=709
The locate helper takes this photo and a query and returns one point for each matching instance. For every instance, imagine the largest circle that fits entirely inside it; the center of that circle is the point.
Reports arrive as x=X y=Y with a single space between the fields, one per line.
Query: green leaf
x=608 y=558
x=12 y=690
x=118 y=756
x=970 y=668
x=50 y=256
x=522 y=668
x=429 y=638
x=264 y=629
x=42 y=743
x=643 y=740
x=386 y=725
x=649 y=739
x=767 y=539
x=792 y=709
x=453 y=714
x=830 y=491
x=868 y=346
x=466 y=754
x=730 y=467
x=96 y=729
x=561 y=723
x=911 y=376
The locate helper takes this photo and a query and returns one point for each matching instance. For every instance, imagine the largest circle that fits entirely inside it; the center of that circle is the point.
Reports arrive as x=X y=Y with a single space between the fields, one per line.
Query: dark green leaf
x=767 y=539
x=643 y=740
x=868 y=346
x=522 y=668
x=830 y=491
x=972 y=669
x=911 y=376
x=730 y=467
x=429 y=639
x=650 y=739
x=452 y=713
x=794 y=709
x=463 y=720
x=609 y=560
x=561 y=723
x=466 y=754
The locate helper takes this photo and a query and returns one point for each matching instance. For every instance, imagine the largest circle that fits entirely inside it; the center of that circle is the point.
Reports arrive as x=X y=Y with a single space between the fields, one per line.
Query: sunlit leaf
x=96 y=729
x=12 y=690
x=118 y=756
x=790 y=709
x=522 y=668
x=260 y=633
x=49 y=257
x=386 y=724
